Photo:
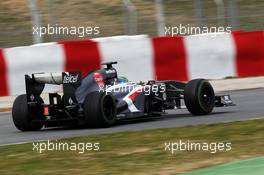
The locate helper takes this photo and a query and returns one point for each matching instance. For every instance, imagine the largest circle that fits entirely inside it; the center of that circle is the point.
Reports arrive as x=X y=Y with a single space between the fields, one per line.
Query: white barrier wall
x=139 y=58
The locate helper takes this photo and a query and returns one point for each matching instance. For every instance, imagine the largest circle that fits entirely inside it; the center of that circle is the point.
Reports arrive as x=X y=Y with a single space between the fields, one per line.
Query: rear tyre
x=199 y=97
x=23 y=116
x=99 y=109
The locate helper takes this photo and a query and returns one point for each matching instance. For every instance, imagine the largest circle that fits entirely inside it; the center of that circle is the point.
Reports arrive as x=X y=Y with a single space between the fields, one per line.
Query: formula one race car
x=101 y=98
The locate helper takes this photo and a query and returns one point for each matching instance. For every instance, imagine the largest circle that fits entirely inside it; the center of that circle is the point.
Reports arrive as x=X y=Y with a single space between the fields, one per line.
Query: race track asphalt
x=250 y=105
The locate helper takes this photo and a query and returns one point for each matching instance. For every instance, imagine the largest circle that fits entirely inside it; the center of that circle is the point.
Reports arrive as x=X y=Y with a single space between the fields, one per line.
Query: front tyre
x=23 y=116
x=199 y=97
x=99 y=109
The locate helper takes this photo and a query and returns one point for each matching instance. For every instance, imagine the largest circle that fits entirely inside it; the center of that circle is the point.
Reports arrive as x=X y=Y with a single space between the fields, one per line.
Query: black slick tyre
x=99 y=110
x=23 y=116
x=199 y=97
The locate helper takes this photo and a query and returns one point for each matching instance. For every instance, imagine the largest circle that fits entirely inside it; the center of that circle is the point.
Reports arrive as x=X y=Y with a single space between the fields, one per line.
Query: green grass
x=140 y=152
x=253 y=166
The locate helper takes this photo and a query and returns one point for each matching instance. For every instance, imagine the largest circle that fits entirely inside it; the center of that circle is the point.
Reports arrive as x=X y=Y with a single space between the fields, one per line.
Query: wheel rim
x=207 y=95
x=109 y=108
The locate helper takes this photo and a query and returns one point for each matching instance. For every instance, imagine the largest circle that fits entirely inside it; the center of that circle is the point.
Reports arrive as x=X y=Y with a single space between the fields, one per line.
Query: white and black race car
x=101 y=98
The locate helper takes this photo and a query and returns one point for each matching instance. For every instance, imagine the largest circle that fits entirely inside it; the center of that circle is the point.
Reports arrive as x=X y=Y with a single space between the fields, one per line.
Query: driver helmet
x=122 y=79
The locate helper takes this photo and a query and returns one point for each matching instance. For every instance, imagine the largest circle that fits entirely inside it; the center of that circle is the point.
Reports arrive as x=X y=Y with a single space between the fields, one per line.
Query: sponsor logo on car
x=98 y=79
x=69 y=78
x=110 y=71
x=32 y=98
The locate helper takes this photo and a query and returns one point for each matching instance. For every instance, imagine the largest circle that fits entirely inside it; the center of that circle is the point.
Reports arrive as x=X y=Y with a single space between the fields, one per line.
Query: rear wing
x=35 y=85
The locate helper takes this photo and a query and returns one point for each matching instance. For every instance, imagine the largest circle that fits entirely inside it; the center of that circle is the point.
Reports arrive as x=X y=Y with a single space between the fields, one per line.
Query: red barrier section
x=81 y=55
x=249 y=53
x=3 y=75
x=170 y=58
